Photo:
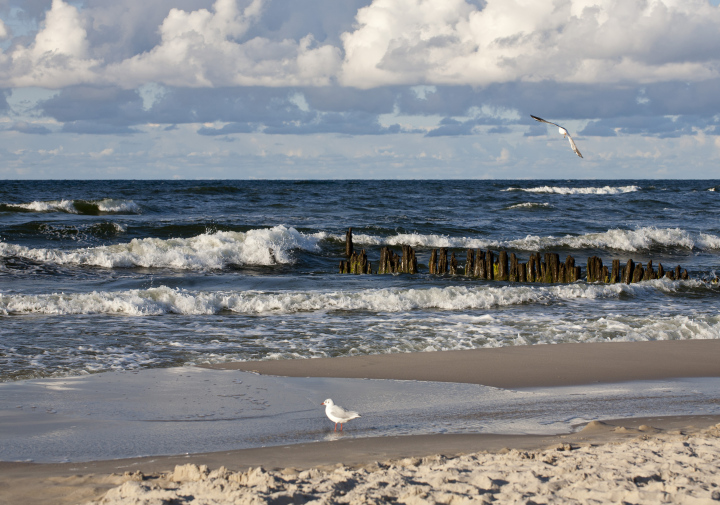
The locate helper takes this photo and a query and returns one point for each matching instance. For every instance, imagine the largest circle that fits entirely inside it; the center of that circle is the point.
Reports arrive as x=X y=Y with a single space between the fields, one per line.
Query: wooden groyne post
x=348 y=243
x=483 y=265
x=357 y=264
x=391 y=263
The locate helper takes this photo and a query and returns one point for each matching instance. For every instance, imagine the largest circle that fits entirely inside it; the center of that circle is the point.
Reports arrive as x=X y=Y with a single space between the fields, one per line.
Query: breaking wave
x=642 y=239
x=530 y=205
x=165 y=300
x=85 y=207
x=203 y=252
x=605 y=190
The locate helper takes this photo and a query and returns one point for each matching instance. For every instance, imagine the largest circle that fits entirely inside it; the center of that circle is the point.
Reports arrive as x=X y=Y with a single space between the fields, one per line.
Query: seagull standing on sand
x=337 y=414
x=563 y=132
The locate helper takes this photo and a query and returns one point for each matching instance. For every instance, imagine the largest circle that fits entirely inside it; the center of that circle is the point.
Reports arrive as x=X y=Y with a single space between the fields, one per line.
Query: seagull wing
x=574 y=147
x=341 y=413
x=543 y=121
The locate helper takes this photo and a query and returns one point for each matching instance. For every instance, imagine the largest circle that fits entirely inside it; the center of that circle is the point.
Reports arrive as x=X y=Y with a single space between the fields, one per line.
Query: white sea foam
x=529 y=205
x=106 y=205
x=202 y=252
x=605 y=190
x=49 y=206
x=115 y=206
x=645 y=238
x=165 y=300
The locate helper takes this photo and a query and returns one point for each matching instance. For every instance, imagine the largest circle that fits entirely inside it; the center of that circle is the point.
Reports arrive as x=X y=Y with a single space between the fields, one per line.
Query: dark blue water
x=101 y=275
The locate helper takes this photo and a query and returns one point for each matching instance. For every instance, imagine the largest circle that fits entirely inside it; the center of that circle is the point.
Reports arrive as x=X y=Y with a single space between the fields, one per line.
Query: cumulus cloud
x=392 y=42
x=57 y=57
x=580 y=41
x=238 y=63
x=197 y=48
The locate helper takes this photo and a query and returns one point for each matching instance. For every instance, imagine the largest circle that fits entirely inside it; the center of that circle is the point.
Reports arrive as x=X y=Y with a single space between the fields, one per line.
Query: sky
x=359 y=89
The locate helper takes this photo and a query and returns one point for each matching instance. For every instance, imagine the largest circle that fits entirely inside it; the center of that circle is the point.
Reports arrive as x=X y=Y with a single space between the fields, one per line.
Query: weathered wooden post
x=408 y=262
x=489 y=265
x=502 y=266
x=359 y=263
x=514 y=273
x=628 y=272
x=649 y=272
x=677 y=273
x=546 y=267
x=638 y=273
x=615 y=275
x=533 y=267
x=389 y=261
x=443 y=261
x=595 y=269
x=570 y=269
x=522 y=272
x=555 y=266
x=453 y=264
x=433 y=261
x=412 y=261
x=480 y=270
x=348 y=243
x=470 y=263
x=661 y=271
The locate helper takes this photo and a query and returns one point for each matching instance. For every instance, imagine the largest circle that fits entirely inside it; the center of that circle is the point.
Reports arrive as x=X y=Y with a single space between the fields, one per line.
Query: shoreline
x=511 y=367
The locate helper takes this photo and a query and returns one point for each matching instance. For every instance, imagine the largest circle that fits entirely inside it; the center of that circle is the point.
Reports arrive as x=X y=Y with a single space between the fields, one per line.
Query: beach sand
x=660 y=459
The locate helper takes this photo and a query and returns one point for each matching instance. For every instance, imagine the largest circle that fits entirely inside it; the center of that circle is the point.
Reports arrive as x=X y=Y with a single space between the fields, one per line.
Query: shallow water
x=190 y=410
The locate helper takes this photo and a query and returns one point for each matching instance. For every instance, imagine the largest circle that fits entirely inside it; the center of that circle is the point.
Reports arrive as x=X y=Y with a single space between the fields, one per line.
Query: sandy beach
x=669 y=459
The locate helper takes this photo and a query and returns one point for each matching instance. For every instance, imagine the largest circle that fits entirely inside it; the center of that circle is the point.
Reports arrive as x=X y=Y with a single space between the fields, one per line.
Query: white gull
x=563 y=132
x=337 y=414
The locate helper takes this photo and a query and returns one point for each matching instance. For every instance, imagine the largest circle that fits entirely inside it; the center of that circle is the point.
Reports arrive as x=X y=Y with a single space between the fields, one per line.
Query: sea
x=100 y=276
x=110 y=292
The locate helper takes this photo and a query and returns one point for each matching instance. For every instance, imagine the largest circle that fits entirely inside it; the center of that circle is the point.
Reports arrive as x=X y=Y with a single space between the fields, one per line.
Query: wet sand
x=515 y=367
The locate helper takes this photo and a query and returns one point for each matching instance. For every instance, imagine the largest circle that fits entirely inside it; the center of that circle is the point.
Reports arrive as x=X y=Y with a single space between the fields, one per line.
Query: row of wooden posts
x=504 y=267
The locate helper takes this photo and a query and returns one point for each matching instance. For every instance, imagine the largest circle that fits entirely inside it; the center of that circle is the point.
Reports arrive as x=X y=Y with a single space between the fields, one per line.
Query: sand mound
x=597 y=426
x=652 y=468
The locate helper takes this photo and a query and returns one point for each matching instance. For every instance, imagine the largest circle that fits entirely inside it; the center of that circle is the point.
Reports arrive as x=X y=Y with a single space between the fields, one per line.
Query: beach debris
x=337 y=414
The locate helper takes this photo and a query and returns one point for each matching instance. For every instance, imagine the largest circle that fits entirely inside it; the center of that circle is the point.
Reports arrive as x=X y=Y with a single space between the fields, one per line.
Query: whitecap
x=48 y=206
x=165 y=300
x=202 y=252
x=605 y=190
x=641 y=239
x=529 y=205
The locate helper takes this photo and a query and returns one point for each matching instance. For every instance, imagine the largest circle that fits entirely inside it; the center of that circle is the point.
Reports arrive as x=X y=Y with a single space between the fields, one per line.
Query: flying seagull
x=337 y=414
x=563 y=132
